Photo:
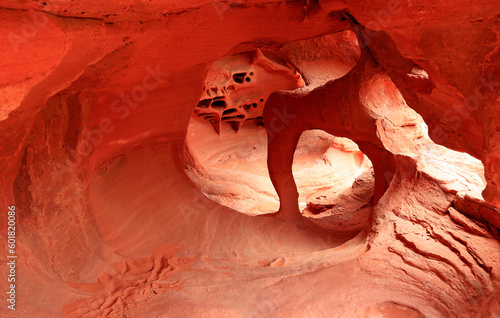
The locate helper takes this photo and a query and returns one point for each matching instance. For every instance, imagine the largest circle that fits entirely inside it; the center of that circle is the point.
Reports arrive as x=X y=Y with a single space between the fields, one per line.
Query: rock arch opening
x=334 y=178
x=335 y=181
x=110 y=225
x=227 y=141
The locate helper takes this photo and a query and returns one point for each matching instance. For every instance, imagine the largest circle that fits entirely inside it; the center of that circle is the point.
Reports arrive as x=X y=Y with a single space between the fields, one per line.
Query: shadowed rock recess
x=251 y=158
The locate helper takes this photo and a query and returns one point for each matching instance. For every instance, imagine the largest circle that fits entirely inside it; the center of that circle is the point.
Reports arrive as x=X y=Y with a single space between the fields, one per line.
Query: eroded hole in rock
x=218 y=104
x=334 y=178
x=239 y=77
x=115 y=228
x=204 y=103
x=228 y=112
x=335 y=181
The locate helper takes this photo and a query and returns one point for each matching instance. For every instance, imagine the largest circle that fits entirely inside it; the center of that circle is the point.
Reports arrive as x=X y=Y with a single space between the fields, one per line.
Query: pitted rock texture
x=97 y=101
x=237 y=87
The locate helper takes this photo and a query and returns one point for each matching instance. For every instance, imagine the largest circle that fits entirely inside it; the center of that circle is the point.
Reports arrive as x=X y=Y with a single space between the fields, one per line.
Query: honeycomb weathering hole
x=240 y=84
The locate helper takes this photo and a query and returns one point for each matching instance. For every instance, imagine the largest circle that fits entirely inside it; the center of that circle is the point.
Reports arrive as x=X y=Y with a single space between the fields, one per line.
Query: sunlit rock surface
x=130 y=204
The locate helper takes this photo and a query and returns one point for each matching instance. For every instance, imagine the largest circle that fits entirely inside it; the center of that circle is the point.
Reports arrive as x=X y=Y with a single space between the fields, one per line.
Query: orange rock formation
x=147 y=146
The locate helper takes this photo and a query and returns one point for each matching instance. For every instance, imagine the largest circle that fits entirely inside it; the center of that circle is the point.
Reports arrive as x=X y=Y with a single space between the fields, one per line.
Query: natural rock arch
x=119 y=229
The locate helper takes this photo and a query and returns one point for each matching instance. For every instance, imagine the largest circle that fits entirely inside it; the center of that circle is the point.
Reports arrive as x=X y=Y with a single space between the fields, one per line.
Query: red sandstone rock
x=99 y=152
